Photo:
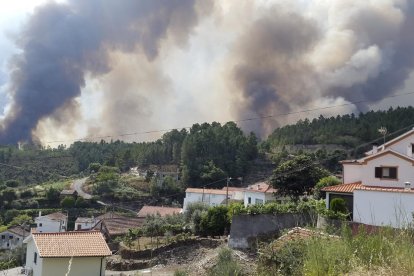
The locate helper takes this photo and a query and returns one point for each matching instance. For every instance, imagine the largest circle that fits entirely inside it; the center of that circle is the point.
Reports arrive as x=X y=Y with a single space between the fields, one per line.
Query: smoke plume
x=162 y=60
x=62 y=43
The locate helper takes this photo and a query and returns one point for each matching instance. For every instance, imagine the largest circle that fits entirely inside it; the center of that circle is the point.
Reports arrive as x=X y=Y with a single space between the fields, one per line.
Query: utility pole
x=227 y=191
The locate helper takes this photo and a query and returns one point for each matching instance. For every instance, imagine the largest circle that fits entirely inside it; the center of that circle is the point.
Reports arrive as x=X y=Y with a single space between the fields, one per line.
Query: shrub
x=12 y=183
x=67 y=202
x=338 y=205
x=215 y=222
x=226 y=265
x=286 y=259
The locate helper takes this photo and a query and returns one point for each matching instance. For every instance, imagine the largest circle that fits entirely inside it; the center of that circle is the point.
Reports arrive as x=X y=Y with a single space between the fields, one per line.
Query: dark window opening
x=35 y=258
x=249 y=200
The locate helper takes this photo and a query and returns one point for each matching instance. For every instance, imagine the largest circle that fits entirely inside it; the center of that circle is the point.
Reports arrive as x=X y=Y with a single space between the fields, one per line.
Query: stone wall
x=246 y=229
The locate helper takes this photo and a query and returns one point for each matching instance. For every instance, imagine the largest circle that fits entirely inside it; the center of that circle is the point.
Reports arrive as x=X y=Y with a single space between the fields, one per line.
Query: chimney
x=40 y=213
x=374 y=148
x=407 y=186
x=410 y=150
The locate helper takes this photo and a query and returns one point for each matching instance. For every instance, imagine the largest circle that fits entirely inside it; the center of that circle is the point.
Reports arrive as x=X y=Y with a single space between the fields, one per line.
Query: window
x=10 y=237
x=3 y=237
x=249 y=200
x=35 y=258
x=258 y=201
x=40 y=225
x=386 y=172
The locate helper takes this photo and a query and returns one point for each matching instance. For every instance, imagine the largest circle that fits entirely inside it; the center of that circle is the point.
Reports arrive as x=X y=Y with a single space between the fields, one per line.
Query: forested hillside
x=205 y=153
x=347 y=130
x=209 y=152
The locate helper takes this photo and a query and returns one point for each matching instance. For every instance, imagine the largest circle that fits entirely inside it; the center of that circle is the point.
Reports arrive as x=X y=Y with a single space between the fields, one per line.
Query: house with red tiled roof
x=66 y=253
x=158 y=210
x=259 y=193
x=380 y=184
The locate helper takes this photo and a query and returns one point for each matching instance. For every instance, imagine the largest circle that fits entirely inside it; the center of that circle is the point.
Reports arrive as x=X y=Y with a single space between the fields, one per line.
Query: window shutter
x=378 y=172
x=393 y=173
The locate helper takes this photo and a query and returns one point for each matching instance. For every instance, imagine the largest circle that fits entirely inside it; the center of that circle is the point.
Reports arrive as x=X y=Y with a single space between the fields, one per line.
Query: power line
x=235 y=121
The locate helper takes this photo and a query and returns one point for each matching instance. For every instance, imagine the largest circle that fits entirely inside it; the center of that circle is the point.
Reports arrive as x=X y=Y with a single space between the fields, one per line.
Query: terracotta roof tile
x=68 y=244
x=153 y=210
x=56 y=216
x=206 y=191
x=261 y=187
x=342 y=188
x=384 y=189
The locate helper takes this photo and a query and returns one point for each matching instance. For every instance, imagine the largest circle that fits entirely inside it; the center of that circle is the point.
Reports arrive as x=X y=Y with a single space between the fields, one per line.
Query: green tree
x=324 y=182
x=297 y=176
x=22 y=219
x=67 y=202
x=216 y=221
x=52 y=194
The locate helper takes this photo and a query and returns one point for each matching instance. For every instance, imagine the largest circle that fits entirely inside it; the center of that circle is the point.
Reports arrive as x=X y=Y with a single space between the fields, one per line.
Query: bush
x=215 y=222
x=12 y=183
x=338 y=205
x=226 y=265
x=67 y=202
x=286 y=259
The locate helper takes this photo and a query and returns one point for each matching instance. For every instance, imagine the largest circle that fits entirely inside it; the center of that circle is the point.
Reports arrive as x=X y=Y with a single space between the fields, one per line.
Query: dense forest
x=347 y=130
x=207 y=152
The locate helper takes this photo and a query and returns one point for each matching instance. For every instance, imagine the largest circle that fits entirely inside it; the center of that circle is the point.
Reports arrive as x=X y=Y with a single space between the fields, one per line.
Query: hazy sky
x=186 y=61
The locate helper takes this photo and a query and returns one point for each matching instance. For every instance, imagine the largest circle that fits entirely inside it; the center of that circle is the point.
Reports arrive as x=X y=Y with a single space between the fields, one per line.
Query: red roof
x=343 y=188
x=384 y=189
x=153 y=210
x=68 y=244
x=206 y=191
x=261 y=187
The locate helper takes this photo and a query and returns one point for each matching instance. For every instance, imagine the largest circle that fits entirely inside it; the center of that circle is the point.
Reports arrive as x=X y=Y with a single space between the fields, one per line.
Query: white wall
x=401 y=146
x=209 y=199
x=84 y=225
x=50 y=226
x=37 y=268
x=254 y=198
x=352 y=173
x=383 y=208
x=7 y=243
x=405 y=171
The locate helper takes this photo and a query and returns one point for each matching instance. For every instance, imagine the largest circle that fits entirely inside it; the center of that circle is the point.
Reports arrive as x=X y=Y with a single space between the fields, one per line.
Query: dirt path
x=77 y=186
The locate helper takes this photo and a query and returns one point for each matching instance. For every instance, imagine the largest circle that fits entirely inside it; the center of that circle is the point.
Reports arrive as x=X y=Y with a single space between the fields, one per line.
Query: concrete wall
x=405 y=171
x=31 y=249
x=209 y=199
x=81 y=266
x=383 y=208
x=403 y=146
x=9 y=240
x=352 y=173
x=245 y=229
x=49 y=225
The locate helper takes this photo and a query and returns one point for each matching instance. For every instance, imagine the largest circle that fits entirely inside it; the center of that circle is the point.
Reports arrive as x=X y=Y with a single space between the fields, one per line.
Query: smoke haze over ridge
x=105 y=68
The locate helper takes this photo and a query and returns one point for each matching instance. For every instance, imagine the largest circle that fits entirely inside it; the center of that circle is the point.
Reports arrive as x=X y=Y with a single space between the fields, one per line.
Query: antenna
x=383 y=130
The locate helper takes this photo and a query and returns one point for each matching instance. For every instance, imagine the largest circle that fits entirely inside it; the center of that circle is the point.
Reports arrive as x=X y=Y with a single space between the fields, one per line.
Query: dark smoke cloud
x=62 y=43
x=294 y=58
x=271 y=67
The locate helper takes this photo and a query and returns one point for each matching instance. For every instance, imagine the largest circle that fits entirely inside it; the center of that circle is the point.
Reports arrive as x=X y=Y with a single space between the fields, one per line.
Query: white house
x=55 y=222
x=259 y=193
x=82 y=224
x=66 y=253
x=380 y=184
x=211 y=197
x=13 y=237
